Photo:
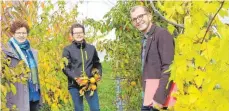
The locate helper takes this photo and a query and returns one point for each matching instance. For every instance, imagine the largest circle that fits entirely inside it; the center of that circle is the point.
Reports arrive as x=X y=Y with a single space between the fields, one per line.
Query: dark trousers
x=148 y=108
x=34 y=106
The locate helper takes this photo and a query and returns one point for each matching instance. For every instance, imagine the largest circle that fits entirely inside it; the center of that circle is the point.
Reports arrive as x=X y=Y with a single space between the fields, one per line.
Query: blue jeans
x=93 y=100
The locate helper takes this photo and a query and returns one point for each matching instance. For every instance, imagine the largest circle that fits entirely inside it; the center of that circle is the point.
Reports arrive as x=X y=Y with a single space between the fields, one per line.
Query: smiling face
x=21 y=34
x=78 y=34
x=141 y=19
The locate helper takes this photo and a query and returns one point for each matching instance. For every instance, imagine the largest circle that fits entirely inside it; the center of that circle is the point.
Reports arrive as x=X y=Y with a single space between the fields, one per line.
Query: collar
x=79 y=45
x=151 y=31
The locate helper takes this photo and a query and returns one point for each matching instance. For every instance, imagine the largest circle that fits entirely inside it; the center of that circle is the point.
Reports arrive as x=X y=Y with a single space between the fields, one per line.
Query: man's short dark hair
x=139 y=6
x=76 y=25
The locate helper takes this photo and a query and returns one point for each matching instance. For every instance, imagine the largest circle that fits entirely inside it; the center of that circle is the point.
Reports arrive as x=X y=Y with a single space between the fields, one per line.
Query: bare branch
x=160 y=15
x=212 y=21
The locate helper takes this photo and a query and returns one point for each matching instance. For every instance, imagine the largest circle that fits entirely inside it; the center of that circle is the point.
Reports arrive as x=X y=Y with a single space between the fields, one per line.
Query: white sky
x=95 y=9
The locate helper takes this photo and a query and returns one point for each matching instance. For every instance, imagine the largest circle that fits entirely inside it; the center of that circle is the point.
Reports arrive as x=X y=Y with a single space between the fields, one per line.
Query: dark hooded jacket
x=80 y=56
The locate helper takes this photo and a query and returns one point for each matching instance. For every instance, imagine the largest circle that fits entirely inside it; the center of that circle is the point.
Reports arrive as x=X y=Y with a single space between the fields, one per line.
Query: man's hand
x=81 y=81
x=97 y=77
x=78 y=80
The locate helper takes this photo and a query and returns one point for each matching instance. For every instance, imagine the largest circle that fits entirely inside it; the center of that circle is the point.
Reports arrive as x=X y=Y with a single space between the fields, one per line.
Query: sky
x=94 y=9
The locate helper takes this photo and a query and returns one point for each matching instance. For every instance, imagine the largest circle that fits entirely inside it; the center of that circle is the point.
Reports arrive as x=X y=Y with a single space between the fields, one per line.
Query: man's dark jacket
x=75 y=55
x=158 y=57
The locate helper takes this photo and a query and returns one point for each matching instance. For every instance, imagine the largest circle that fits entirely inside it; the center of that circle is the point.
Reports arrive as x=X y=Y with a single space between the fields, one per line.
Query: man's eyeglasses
x=21 y=33
x=140 y=17
x=78 y=33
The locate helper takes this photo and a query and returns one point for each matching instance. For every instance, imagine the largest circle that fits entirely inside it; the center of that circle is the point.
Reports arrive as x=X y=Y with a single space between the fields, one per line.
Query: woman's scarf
x=25 y=53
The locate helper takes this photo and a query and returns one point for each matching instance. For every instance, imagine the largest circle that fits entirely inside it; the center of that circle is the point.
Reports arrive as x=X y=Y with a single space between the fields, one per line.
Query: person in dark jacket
x=28 y=96
x=82 y=58
x=157 y=52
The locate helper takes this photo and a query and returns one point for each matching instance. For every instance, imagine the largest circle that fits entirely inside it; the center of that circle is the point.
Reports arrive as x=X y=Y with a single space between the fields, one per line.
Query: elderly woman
x=28 y=95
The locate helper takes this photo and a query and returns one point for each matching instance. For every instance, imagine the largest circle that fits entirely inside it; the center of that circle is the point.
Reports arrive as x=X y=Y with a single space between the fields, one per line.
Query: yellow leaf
x=193 y=90
x=81 y=92
x=29 y=21
x=193 y=98
x=171 y=28
x=7 y=87
x=169 y=12
x=3 y=5
x=4 y=107
x=210 y=7
x=223 y=13
x=179 y=9
x=13 y=88
x=200 y=61
x=142 y=3
x=199 y=22
x=24 y=80
x=182 y=101
x=209 y=86
x=59 y=105
x=14 y=107
x=54 y=107
x=62 y=66
x=198 y=80
x=3 y=89
x=10 y=4
x=46 y=97
x=65 y=100
x=64 y=61
x=160 y=6
x=224 y=106
x=27 y=70
x=187 y=20
x=91 y=93
x=42 y=5
x=9 y=61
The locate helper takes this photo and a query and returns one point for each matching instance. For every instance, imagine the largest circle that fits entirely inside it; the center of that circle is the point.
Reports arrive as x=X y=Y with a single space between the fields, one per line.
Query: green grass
x=106 y=91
